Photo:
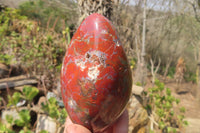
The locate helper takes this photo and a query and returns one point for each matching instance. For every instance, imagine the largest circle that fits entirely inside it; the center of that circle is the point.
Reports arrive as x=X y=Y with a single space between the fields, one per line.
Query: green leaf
x=151 y=96
x=161 y=86
x=168 y=105
x=151 y=131
x=150 y=90
x=169 y=129
x=30 y=92
x=4 y=129
x=25 y=115
x=177 y=101
x=174 y=130
x=157 y=82
x=181 y=117
x=163 y=98
x=43 y=131
x=27 y=131
x=63 y=115
x=148 y=107
x=21 y=131
x=157 y=103
x=168 y=91
x=52 y=101
x=19 y=122
x=161 y=125
x=138 y=84
x=14 y=99
x=9 y=119
x=160 y=112
x=52 y=108
x=145 y=93
x=54 y=113
x=182 y=110
x=186 y=123
x=172 y=113
x=157 y=96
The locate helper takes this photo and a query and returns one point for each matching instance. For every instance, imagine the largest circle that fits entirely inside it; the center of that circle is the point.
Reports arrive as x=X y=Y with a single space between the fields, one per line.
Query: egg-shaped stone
x=96 y=78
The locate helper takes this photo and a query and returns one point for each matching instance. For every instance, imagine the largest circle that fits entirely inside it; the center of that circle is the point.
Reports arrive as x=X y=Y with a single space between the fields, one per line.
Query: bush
x=24 y=121
x=161 y=109
x=191 y=77
x=172 y=71
x=24 y=43
x=50 y=13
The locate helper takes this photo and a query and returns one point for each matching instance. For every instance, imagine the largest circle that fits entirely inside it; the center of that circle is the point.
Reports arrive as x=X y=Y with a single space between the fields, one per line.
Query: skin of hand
x=119 y=126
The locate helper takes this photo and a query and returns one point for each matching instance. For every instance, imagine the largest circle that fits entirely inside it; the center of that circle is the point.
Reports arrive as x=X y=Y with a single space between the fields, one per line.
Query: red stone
x=95 y=78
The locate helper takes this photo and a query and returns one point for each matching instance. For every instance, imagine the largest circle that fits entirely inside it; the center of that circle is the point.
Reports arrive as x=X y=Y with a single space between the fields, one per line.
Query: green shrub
x=6 y=17
x=30 y=46
x=24 y=119
x=171 y=72
x=190 y=77
x=51 y=108
x=50 y=14
x=161 y=108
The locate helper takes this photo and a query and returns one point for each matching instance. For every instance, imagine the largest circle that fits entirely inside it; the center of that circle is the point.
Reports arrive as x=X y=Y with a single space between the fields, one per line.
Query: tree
x=87 y=7
x=141 y=66
x=191 y=9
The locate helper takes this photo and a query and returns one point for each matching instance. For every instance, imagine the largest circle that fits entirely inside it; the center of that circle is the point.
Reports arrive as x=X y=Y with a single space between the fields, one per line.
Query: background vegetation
x=35 y=36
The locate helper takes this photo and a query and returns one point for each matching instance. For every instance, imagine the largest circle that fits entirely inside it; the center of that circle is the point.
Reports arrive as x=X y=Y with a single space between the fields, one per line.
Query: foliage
x=5 y=128
x=132 y=63
x=171 y=72
x=38 y=51
x=191 y=76
x=24 y=43
x=50 y=13
x=53 y=111
x=161 y=107
x=5 y=58
x=5 y=20
x=24 y=119
x=28 y=93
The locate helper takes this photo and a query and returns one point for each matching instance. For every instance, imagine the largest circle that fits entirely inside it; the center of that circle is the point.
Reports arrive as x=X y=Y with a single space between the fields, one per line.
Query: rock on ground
x=47 y=123
x=138 y=116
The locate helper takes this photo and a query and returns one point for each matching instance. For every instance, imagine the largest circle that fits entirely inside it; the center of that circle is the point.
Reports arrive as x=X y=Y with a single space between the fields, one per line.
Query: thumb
x=75 y=128
x=70 y=127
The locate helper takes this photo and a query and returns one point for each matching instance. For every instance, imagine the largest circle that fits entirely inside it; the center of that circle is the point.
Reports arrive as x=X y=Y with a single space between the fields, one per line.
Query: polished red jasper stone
x=95 y=78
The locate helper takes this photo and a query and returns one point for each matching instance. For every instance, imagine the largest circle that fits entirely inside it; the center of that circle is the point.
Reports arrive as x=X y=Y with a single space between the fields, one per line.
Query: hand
x=120 y=126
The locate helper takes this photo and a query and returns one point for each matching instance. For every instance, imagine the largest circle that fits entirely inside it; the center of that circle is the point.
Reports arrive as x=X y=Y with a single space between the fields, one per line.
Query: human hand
x=119 y=126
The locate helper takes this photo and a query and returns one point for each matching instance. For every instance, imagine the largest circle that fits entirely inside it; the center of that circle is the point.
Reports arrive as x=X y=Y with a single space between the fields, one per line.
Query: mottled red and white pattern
x=95 y=78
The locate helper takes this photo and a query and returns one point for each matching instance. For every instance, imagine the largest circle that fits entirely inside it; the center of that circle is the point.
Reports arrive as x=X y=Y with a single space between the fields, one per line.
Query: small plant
x=28 y=93
x=24 y=43
x=171 y=72
x=132 y=63
x=50 y=13
x=24 y=118
x=67 y=32
x=192 y=76
x=6 y=59
x=160 y=108
x=6 y=18
x=52 y=109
